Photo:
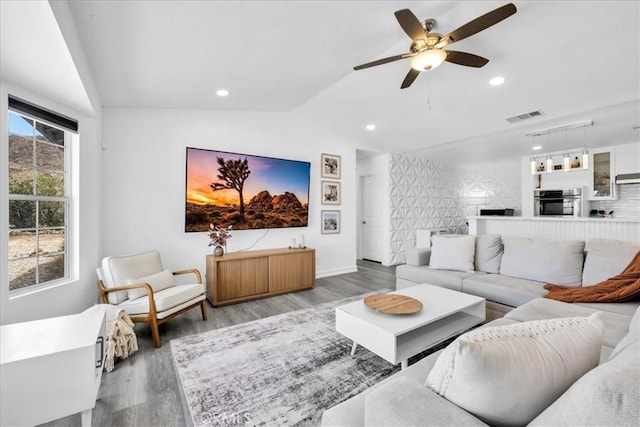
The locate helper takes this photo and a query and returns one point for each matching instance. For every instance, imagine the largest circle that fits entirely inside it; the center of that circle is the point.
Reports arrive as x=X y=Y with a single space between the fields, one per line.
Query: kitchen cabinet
x=603 y=173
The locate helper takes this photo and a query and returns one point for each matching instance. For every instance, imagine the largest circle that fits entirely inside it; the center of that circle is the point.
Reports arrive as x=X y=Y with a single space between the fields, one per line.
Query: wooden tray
x=393 y=304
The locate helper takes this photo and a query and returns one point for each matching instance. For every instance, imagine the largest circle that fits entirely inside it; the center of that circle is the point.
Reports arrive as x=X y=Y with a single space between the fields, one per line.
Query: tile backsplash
x=627 y=206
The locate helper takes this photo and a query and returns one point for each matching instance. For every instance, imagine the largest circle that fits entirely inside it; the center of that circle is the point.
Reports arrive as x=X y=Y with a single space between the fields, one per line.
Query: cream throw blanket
x=121 y=339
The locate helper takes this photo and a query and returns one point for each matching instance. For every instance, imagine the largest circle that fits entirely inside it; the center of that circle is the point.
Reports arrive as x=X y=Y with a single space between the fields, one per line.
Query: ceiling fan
x=426 y=51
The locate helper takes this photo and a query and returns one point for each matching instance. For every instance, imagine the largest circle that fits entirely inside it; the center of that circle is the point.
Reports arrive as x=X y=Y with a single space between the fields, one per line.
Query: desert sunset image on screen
x=245 y=191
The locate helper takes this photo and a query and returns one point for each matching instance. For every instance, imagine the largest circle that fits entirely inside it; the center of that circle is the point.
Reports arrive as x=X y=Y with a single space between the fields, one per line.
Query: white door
x=372 y=196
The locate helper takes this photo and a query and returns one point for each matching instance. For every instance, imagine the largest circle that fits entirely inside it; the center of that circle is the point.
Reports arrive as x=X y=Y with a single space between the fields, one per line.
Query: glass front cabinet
x=602 y=177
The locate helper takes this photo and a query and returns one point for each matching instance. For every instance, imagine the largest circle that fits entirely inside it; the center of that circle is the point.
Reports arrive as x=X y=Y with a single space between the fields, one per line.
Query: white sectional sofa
x=607 y=392
x=510 y=271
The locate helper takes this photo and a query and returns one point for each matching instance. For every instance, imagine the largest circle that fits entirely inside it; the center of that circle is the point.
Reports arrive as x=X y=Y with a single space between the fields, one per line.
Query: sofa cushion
x=606 y=258
x=453 y=252
x=559 y=262
x=489 y=251
x=607 y=395
x=505 y=290
x=524 y=367
x=351 y=411
x=632 y=336
x=157 y=281
x=616 y=325
x=445 y=278
x=403 y=402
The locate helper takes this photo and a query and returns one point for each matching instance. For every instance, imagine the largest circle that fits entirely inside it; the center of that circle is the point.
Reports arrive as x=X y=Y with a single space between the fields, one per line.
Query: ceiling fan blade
x=480 y=23
x=411 y=76
x=464 y=58
x=382 y=61
x=410 y=24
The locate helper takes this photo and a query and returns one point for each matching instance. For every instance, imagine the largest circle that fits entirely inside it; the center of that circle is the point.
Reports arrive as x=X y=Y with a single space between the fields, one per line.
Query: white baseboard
x=336 y=271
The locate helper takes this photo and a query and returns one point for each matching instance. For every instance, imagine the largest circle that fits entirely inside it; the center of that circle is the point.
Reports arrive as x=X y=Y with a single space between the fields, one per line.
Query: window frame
x=66 y=199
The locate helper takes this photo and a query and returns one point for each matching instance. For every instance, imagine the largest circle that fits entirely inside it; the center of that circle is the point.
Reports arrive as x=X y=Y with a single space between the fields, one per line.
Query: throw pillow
x=489 y=251
x=158 y=282
x=507 y=375
x=606 y=258
x=548 y=261
x=452 y=252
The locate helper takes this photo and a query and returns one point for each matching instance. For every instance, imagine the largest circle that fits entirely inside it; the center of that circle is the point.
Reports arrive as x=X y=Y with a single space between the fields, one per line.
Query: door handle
x=364 y=222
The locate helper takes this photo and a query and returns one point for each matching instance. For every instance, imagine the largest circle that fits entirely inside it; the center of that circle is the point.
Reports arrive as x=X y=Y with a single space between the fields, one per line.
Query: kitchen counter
x=552 y=218
x=557 y=228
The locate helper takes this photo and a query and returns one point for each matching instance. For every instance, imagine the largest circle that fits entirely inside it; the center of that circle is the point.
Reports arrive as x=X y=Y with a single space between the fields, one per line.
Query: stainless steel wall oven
x=558 y=202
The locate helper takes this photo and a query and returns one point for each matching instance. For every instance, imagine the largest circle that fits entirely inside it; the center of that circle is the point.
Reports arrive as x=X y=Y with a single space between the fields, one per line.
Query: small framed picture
x=330 y=222
x=330 y=164
x=330 y=193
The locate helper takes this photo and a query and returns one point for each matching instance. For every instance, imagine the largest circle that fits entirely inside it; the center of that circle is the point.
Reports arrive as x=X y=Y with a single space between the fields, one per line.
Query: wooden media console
x=244 y=276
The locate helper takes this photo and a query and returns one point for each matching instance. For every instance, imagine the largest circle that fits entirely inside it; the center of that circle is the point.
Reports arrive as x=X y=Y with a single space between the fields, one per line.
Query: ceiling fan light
x=428 y=59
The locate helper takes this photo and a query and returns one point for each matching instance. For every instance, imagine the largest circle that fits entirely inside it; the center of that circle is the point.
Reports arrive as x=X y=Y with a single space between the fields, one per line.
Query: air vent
x=524 y=116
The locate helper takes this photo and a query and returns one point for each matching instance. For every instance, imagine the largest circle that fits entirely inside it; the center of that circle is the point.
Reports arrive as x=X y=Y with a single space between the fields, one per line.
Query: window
x=38 y=195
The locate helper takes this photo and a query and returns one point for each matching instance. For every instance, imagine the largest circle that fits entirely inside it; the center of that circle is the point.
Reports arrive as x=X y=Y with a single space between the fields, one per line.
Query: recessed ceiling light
x=537 y=147
x=222 y=92
x=371 y=126
x=497 y=81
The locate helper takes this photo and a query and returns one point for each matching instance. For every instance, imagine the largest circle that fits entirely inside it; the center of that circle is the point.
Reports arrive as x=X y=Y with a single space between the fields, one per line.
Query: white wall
x=490 y=185
x=144 y=182
x=81 y=291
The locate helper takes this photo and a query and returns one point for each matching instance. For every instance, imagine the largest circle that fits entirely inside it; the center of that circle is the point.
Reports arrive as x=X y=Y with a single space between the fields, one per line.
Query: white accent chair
x=148 y=293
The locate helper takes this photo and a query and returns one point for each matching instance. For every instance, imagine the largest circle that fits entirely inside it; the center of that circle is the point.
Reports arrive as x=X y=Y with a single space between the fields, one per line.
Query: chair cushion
x=165 y=300
x=507 y=375
x=158 y=282
x=489 y=251
x=452 y=252
x=117 y=269
x=552 y=261
x=606 y=258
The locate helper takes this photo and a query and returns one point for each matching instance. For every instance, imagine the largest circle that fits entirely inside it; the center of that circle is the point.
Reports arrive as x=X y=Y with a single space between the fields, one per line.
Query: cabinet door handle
x=100 y=341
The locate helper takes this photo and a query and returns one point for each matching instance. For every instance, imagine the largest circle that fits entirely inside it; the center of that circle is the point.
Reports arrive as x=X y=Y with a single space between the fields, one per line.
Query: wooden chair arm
x=126 y=287
x=104 y=291
x=190 y=271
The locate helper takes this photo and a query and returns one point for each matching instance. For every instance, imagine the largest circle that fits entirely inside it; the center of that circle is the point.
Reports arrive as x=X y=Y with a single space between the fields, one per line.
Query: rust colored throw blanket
x=623 y=287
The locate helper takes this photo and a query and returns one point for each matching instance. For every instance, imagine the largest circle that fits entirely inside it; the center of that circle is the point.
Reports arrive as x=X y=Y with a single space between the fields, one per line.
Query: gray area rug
x=281 y=370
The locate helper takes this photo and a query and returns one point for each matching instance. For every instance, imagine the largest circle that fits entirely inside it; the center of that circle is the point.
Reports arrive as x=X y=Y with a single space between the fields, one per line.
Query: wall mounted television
x=245 y=191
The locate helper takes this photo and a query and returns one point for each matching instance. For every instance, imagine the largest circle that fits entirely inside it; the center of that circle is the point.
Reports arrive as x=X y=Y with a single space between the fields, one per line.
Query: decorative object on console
x=330 y=166
x=330 y=193
x=330 y=221
x=248 y=192
x=219 y=237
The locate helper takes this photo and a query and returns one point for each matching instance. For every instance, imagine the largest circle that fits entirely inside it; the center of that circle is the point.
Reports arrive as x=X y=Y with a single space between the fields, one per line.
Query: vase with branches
x=218 y=237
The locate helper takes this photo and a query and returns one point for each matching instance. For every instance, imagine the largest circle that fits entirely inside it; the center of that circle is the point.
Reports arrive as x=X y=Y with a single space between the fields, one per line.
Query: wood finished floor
x=144 y=390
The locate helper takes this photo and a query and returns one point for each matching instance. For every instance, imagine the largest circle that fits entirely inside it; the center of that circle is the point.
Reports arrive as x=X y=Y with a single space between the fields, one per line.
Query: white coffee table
x=395 y=338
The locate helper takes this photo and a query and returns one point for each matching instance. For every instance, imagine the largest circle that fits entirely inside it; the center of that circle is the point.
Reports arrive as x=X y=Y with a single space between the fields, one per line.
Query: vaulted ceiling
x=573 y=60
